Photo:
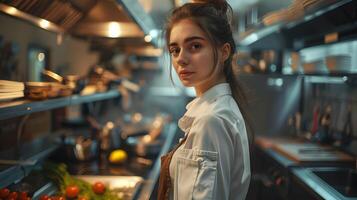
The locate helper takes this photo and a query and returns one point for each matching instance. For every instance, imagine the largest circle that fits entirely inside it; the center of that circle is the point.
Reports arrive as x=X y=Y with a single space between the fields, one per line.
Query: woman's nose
x=182 y=58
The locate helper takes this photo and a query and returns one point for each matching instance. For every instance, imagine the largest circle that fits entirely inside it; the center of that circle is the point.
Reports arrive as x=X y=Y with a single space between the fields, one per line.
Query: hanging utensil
x=315 y=119
x=347 y=132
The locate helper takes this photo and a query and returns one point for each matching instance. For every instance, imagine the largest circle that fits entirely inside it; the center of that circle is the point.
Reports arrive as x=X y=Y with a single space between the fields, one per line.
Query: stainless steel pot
x=147 y=141
x=141 y=147
x=79 y=148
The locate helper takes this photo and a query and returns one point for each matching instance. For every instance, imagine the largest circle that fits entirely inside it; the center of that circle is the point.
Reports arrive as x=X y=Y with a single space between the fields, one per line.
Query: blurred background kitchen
x=87 y=83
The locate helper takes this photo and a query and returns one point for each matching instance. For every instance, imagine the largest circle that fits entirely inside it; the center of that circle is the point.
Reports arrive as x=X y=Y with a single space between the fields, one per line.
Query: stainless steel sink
x=330 y=182
x=341 y=179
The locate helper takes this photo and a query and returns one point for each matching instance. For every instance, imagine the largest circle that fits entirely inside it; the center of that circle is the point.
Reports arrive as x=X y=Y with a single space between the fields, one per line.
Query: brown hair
x=213 y=17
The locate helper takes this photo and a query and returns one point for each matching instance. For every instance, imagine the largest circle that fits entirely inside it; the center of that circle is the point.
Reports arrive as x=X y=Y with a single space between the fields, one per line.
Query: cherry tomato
x=44 y=197
x=22 y=196
x=82 y=198
x=72 y=191
x=4 y=193
x=13 y=195
x=58 y=198
x=98 y=187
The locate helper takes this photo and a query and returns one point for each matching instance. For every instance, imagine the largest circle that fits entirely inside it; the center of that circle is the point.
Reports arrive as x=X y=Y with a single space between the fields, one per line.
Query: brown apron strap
x=165 y=180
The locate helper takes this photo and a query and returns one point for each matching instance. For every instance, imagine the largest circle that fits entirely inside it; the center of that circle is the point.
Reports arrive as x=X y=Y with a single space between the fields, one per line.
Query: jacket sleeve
x=212 y=134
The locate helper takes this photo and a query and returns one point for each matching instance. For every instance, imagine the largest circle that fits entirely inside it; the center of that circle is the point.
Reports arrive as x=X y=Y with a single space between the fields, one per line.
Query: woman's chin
x=187 y=83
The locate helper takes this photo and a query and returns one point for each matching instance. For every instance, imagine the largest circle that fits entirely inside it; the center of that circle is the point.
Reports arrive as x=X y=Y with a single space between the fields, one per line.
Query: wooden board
x=310 y=152
x=302 y=151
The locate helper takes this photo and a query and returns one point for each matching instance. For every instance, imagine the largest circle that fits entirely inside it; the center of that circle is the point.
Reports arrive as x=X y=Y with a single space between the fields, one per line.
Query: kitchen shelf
x=262 y=37
x=24 y=107
x=311 y=30
x=35 y=151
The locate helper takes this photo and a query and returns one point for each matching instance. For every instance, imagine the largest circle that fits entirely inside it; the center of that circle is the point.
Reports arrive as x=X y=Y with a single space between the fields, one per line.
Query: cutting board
x=310 y=152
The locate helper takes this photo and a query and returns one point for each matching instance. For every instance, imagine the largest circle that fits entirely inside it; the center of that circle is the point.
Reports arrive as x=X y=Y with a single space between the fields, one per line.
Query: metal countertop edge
x=317 y=185
x=149 y=184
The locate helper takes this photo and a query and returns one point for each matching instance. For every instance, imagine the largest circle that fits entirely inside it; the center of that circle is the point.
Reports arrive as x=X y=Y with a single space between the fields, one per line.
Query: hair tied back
x=220 y=5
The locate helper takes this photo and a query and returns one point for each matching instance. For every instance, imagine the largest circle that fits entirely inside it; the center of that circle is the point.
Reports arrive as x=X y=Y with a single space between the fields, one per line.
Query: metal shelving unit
x=314 y=27
x=24 y=107
x=311 y=30
x=40 y=148
x=34 y=151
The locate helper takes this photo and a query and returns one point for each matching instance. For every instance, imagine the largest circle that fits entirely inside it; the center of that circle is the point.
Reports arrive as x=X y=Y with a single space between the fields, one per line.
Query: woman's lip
x=184 y=73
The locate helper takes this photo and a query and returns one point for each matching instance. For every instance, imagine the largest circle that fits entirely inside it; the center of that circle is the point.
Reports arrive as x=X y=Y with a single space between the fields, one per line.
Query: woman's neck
x=202 y=88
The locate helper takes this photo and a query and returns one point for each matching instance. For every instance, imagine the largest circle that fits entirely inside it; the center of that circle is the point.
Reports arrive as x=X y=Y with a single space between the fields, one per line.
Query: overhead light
x=154 y=33
x=114 y=30
x=44 y=23
x=11 y=10
x=147 y=38
x=41 y=57
x=327 y=79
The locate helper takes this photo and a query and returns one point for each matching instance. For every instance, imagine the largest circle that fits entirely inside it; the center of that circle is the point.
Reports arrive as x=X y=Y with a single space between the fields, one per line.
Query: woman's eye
x=174 y=51
x=196 y=46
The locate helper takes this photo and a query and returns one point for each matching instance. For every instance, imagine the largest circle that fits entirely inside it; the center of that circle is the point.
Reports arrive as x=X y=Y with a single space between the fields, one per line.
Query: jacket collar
x=194 y=107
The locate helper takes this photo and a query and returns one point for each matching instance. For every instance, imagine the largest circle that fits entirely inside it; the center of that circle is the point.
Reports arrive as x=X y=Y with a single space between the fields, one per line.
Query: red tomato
x=44 y=197
x=98 y=187
x=22 y=196
x=13 y=195
x=4 y=193
x=58 y=198
x=72 y=191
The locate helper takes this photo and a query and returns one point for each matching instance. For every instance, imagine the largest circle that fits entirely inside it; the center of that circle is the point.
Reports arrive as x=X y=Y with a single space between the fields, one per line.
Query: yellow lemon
x=118 y=156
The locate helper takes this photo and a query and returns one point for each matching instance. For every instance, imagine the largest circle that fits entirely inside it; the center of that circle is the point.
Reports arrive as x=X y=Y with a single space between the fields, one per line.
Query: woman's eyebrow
x=188 y=40
x=193 y=38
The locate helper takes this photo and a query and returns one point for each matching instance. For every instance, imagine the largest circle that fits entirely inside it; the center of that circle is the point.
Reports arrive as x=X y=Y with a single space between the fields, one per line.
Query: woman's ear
x=226 y=51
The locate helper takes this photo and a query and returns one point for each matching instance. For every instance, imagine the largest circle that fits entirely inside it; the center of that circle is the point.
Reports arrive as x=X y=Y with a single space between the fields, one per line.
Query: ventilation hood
x=113 y=22
x=107 y=19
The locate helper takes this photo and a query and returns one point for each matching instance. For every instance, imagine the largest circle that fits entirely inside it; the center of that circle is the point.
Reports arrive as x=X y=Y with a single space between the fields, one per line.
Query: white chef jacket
x=213 y=162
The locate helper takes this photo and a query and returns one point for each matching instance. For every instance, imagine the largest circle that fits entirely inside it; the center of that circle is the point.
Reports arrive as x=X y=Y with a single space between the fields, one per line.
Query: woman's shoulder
x=227 y=109
x=209 y=131
x=222 y=112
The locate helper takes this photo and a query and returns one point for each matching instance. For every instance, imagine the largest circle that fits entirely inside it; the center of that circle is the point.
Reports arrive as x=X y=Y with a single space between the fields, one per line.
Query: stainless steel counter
x=291 y=178
x=318 y=185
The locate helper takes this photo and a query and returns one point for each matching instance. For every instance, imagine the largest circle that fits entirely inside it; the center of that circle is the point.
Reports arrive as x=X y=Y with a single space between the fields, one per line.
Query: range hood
x=107 y=19
x=101 y=21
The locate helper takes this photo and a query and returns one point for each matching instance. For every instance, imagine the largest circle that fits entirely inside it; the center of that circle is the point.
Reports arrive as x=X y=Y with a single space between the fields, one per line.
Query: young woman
x=212 y=160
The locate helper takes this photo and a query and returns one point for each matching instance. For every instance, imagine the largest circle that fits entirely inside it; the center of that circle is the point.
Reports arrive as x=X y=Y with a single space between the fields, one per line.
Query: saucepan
x=147 y=143
x=77 y=148
x=74 y=82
